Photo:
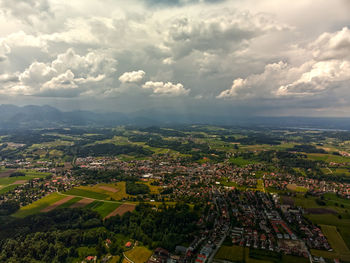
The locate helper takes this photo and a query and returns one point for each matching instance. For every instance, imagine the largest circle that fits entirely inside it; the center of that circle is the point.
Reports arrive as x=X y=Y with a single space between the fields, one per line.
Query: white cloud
x=322 y=77
x=327 y=71
x=68 y=75
x=133 y=76
x=334 y=45
x=4 y=51
x=37 y=73
x=249 y=51
x=21 y=39
x=258 y=85
x=167 y=89
x=218 y=29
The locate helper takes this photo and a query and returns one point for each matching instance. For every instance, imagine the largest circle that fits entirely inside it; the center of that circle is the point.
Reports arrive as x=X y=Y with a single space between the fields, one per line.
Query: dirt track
x=121 y=210
x=55 y=205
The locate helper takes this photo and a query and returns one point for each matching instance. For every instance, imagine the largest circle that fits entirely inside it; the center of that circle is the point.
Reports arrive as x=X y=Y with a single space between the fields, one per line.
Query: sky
x=261 y=58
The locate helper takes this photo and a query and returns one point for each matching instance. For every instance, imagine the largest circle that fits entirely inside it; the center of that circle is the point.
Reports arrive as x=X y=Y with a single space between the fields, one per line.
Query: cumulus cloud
x=27 y=10
x=21 y=39
x=68 y=75
x=4 y=51
x=218 y=29
x=322 y=76
x=334 y=45
x=327 y=71
x=133 y=76
x=258 y=85
x=8 y=78
x=167 y=89
x=229 y=50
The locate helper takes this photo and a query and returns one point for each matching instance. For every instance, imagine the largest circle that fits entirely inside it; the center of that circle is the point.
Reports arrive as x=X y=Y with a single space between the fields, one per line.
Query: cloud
x=69 y=74
x=21 y=39
x=8 y=78
x=258 y=85
x=322 y=77
x=27 y=10
x=167 y=89
x=252 y=54
x=166 y=3
x=219 y=29
x=334 y=45
x=133 y=76
x=327 y=71
x=4 y=51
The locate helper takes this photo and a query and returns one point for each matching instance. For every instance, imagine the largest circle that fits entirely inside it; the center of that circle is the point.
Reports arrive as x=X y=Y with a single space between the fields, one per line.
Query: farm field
x=296 y=188
x=343 y=225
x=5 y=189
x=101 y=191
x=331 y=202
x=70 y=202
x=241 y=254
x=56 y=204
x=121 y=210
x=231 y=253
x=39 y=205
x=82 y=202
x=328 y=157
x=241 y=162
x=83 y=192
x=335 y=239
x=57 y=201
x=9 y=183
x=139 y=254
x=106 y=208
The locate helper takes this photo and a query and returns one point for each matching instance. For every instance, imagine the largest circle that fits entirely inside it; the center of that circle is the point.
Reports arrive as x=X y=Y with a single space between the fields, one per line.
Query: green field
x=6 y=182
x=106 y=208
x=296 y=188
x=231 y=253
x=343 y=225
x=94 y=205
x=69 y=203
x=8 y=188
x=241 y=254
x=260 y=185
x=139 y=254
x=335 y=239
x=37 y=206
x=86 y=193
x=328 y=157
x=118 y=188
x=241 y=162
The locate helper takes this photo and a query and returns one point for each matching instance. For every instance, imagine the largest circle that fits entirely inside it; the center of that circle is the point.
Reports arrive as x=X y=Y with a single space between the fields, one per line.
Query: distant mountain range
x=32 y=116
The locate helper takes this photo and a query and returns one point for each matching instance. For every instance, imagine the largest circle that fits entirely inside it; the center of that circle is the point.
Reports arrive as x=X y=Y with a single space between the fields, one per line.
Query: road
x=210 y=259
